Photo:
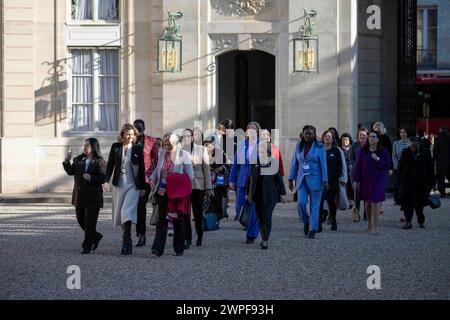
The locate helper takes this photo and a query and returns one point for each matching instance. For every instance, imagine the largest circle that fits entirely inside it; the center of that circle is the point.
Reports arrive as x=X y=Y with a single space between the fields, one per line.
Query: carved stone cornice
x=222 y=42
x=241 y=8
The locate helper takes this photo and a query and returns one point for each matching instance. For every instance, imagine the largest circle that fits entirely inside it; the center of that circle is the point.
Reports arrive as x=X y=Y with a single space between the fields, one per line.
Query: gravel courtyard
x=40 y=241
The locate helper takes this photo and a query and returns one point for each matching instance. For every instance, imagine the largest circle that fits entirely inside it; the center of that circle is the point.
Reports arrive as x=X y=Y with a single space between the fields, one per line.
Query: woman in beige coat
x=201 y=184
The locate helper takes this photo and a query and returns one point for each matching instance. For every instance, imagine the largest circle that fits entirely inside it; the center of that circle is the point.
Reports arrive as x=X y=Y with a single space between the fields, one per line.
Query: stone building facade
x=51 y=49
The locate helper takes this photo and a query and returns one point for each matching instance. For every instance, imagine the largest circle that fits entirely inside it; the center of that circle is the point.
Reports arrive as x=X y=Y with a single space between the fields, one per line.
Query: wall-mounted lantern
x=306 y=46
x=170 y=46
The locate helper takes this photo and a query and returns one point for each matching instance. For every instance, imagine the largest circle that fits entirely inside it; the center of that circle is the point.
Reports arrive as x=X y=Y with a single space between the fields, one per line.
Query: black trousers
x=159 y=243
x=87 y=219
x=264 y=214
x=330 y=197
x=409 y=209
x=141 y=226
x=197 y=197
x=441 y=183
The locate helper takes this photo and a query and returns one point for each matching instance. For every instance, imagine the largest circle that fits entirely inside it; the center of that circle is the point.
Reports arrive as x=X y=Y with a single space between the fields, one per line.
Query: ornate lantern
x=306 y=47
x=170 y=46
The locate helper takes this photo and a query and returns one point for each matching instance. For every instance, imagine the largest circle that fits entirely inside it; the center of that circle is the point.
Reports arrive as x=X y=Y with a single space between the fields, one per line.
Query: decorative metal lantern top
x=170 y=46
x=306 y=46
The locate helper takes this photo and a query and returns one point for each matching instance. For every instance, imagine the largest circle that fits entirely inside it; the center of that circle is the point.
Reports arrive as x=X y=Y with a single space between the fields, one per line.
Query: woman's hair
x=403 y=128
x=95 y=145
x=166 y=137
x=302 y=136
x=362 y=130
x=379 y=146
x=381 y=126
x=191 y=132
x=228 y=124
x=127 y=127
x=257 y=125
x=196 y=129
x=347 y=135
x=334 y=143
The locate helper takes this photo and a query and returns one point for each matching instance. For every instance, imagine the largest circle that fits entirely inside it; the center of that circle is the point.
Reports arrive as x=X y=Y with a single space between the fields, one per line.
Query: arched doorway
x=246 y=88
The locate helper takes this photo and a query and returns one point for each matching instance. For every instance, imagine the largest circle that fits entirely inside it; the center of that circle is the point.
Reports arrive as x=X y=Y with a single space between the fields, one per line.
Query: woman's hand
x=209 y=192
x=391 y=172
x=233 y=186
x=142 y=193
x=355 y=185
x=105 y=186
x=326 y=186
x=375 y=157
x=68 y=155
x=87 y=177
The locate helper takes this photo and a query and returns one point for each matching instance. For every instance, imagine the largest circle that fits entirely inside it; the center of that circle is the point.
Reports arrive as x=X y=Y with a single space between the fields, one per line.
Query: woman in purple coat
x=371 y=169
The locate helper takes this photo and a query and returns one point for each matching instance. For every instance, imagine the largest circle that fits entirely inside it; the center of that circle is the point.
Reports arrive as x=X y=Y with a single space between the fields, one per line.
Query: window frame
x=94 y=129
x=94 y=21
x=425 y=31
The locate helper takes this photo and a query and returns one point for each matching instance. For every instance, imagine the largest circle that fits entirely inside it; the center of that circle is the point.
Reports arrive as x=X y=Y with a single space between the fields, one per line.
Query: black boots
x=141 y=241
x=127 y=248
x=187 y=244
x=312 y=235
x=127 y=244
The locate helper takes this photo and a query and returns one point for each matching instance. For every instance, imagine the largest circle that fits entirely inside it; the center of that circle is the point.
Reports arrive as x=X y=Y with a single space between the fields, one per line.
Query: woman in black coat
x=88 y=170
x=265 y=187
x=126 y=167
x=416 y=176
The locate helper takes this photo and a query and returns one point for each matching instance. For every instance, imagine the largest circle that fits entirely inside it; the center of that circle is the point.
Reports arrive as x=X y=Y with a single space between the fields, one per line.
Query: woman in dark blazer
x=126 y=167
x=88 y=170
x=416 y=176
x=265 y=187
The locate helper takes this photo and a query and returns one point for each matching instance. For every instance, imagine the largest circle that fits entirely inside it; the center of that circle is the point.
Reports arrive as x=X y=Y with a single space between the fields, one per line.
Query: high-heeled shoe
x=264 y=245
x=312 y=235
x=250 y=241
x=156 y=253
x=199 y=242
x=96 y=242
x=407 y=226
x=187 y=245
x=333 y=226
x=141 y=241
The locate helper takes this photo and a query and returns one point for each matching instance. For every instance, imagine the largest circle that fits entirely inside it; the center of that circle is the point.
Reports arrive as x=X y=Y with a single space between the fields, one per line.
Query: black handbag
x=434 y=201
x=244 y=215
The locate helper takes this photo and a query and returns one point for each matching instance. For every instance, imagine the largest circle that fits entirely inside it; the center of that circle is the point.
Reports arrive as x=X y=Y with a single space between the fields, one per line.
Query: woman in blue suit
x=247 y=153
x=309 y=170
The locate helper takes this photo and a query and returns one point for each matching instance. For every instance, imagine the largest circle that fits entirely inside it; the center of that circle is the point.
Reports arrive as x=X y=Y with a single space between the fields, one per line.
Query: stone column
x=17 y=143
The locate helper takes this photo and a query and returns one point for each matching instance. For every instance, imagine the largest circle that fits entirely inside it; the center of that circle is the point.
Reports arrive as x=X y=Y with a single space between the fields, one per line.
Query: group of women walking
x=184 y=171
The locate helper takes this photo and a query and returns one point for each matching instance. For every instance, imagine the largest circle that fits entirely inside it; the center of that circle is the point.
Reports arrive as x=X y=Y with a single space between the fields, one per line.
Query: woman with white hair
x=173 y=175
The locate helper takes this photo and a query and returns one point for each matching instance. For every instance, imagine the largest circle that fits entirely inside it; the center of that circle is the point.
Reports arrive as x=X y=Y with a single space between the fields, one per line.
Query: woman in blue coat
x=247 y=153
x=309 y=170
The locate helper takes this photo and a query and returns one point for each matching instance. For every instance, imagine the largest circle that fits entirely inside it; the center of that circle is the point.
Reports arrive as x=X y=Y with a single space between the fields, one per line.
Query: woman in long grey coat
x=201 y=184
x=126 y=166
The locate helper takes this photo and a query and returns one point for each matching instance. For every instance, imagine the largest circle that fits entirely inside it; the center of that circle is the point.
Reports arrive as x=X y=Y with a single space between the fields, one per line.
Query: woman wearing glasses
x=370 y=175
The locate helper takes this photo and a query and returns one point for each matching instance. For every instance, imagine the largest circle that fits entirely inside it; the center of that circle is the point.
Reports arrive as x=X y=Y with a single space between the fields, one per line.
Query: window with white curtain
x=95 y=90
x=94 y=10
